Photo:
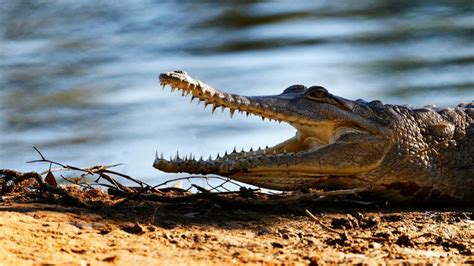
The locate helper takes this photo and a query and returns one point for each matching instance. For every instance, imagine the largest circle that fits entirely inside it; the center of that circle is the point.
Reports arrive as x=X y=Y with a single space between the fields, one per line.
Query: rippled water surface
x=78 y=79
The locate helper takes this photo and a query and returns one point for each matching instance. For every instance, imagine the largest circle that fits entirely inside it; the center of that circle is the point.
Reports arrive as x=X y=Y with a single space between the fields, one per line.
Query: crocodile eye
x=317 y=92
x=295 y=88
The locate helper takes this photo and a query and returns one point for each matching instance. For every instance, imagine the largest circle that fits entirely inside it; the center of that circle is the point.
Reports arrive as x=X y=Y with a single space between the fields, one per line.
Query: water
x=78 y=79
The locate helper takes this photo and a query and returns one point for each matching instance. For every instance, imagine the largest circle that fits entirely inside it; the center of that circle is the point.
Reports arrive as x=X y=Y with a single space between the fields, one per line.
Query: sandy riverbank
x=33 y=233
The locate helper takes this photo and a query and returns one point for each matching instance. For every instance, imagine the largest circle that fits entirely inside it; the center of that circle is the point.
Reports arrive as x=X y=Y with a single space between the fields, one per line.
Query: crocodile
x=402 y=154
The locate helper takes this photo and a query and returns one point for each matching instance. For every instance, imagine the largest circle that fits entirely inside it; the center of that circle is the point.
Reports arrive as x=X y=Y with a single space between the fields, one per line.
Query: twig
x=321 y=223
x=216 y=188
x=114 y=182
x=188 y=178
x=201 y=189
x=40 y=154
x=102 y=171
x=141 y=183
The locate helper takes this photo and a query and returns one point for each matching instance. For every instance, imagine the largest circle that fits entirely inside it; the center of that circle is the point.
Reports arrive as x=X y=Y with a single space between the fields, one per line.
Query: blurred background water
x=78 y=79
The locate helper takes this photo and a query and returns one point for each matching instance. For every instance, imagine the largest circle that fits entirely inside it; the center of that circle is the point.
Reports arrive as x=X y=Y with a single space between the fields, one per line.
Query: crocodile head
x=336 y=138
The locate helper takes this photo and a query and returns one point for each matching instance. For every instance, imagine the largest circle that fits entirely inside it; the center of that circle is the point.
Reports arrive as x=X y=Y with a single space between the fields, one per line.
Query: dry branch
x=104 y=178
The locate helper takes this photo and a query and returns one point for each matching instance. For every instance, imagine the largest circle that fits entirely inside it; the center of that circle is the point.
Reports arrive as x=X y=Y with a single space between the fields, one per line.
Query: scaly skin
x=402 y=154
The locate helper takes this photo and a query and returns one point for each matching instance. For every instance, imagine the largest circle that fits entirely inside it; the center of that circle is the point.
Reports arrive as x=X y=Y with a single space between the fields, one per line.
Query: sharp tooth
x=214 y=108
x=223 y=108
x=185 y=157
x=251 y=149
x=259 y=149
x=200 y=158
x=205 y=105
x=161 y=156
x=218 y=156
x=235 y=150
x=162 y=86
x=263 y=118
x=247 y=114
x=225 y=154
x=232 y=112
x=266 y=147
x=192 y=98
x=210 y=158
x=156 y=154
x=177 y=155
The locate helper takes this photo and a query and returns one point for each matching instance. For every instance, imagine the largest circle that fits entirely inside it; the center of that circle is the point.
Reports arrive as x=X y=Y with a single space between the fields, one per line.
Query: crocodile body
x=401 y=153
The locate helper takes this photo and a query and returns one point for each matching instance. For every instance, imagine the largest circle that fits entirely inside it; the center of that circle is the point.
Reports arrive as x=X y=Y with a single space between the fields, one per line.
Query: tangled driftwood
x=99 y=186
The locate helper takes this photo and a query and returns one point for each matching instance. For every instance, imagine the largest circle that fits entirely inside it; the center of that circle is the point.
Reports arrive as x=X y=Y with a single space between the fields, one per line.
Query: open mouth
x=310 y=135
x=332 y=143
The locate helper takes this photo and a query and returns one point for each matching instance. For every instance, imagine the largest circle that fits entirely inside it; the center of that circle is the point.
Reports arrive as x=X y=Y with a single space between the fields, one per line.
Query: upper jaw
x=266 y=107
x=179 y=80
